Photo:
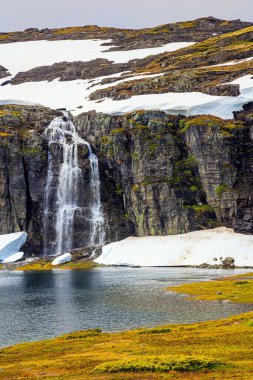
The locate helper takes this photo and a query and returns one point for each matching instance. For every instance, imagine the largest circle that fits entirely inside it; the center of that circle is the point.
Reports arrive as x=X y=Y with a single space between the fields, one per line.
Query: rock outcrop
x=128 y=39
x=3 y=72
x=176 y=174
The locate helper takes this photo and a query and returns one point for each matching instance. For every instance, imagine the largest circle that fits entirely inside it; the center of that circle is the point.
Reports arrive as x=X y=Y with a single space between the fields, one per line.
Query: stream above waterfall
x=39 y=305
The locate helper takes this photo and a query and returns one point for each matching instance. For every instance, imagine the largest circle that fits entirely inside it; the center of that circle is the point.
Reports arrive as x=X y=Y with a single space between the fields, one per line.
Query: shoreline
x=44 y=264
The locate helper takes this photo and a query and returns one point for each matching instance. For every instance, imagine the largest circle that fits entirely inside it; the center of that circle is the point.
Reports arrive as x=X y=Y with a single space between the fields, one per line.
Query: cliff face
x=23 y=170
x=177 y=174
x=23 y=176
x=160 y=174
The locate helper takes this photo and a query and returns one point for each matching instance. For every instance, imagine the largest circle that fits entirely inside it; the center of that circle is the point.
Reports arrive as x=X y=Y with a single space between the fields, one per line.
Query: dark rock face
x=176 y=174
x=23 y=170
x=23 y=176
x=224 y=90
x=67 y=71
x=160 y=174
x=3 y=72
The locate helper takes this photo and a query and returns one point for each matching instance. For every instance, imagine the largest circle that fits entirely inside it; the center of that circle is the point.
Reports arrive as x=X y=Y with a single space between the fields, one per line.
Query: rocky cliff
x=160 y=174
x=177 y=174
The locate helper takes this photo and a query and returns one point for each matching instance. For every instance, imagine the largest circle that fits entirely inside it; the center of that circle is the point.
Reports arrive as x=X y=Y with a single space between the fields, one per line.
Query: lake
x=39 y=305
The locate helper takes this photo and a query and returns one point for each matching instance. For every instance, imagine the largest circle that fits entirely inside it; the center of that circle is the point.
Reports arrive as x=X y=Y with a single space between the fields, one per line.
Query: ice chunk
x=65 y=258
x=194 y=248
x=10 y=244
x=13 y=258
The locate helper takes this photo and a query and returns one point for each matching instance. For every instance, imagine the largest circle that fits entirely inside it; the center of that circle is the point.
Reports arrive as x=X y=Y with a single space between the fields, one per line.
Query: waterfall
x=64 y=192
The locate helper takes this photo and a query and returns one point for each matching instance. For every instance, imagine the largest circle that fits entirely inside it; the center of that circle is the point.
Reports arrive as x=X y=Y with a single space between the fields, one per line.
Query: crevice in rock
x=29 y=202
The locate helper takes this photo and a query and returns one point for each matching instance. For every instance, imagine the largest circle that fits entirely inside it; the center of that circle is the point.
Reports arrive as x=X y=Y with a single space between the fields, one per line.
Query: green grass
x=235 y=289
x=158 y=365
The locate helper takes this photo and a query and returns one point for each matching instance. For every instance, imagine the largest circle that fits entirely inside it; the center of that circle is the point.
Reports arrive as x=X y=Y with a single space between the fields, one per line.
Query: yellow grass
x=236 y=289
x=44 y=265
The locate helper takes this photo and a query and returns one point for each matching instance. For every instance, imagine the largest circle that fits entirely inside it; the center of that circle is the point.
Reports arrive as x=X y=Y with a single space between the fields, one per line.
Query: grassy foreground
x=236 y=289
x=208 y=350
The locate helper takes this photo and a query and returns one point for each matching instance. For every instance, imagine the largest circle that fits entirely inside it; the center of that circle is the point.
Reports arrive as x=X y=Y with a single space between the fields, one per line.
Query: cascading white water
x=62 y=132
x=97 y=220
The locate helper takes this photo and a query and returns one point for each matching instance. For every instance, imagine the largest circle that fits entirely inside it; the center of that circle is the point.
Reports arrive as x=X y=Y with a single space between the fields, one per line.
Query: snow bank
x=10 y=244
x=74 y=94
x=23 y=56
x=65 y=258
x=194 y=248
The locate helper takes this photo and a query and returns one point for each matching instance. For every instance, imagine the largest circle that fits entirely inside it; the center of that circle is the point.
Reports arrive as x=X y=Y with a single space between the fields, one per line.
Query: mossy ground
x=236 y=289
x=208 y=350
x=87 y=355
x=45 y=265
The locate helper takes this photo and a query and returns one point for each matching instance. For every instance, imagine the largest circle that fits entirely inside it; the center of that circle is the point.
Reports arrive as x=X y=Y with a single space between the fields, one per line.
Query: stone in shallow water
x=65 y=258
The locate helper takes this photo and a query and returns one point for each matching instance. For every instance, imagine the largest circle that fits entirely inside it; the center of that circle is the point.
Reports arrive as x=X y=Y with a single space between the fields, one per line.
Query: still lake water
x=40 y=305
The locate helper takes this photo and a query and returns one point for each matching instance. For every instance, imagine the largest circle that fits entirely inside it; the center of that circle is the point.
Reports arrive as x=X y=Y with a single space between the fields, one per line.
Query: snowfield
x=74 y=95
x=10 y=245
x=23 y=56
x=194 y=248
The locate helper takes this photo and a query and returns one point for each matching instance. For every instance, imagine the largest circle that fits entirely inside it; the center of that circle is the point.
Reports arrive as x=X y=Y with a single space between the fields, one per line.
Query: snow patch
x=194 y=248
x=62 y=259
x=23 y=56
x=13 y=258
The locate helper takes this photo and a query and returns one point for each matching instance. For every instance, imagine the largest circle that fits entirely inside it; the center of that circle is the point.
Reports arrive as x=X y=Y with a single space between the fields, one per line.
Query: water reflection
x=39 y=305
